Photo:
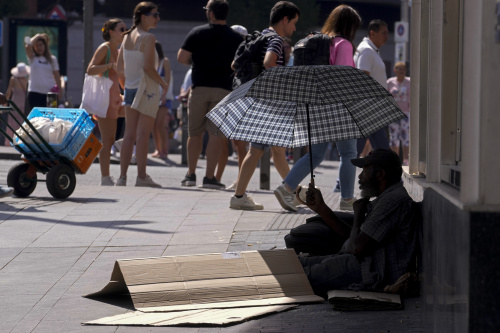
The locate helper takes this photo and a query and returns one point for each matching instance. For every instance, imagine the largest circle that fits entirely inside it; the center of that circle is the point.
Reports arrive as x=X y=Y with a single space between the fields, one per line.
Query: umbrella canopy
x=342 y=103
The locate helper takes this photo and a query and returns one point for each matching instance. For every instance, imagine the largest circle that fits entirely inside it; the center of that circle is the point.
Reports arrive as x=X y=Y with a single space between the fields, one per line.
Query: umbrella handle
x=312 y=181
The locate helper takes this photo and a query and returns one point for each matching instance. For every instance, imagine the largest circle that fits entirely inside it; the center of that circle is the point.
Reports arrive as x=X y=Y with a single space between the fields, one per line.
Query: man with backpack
x=284 y=16
x=209 y=49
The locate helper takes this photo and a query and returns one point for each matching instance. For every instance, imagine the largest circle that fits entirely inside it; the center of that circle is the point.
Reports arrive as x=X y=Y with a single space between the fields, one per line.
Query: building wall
x=453 y=160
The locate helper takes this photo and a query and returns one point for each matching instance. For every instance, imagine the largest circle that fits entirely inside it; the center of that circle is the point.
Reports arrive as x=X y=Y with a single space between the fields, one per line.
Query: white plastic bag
x=95 y=97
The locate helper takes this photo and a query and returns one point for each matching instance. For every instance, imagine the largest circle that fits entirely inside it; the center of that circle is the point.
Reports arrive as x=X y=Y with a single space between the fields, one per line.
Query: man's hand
x=314 y=199
x=3 y=99
x=360 y=206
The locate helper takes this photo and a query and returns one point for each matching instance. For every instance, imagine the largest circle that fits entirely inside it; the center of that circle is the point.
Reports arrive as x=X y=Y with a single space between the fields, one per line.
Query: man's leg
x=194 y=147
x=379 y=139
x=214 y=151
x=247 y=169
x=280 y=162
x=337 y=271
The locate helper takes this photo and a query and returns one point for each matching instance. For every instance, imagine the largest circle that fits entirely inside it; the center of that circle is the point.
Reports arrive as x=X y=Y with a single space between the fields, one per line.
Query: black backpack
x=248 y=58
x=312 y=50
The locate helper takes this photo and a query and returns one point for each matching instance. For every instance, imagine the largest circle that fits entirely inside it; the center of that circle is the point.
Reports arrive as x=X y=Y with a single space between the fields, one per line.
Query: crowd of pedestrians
x=142 y=93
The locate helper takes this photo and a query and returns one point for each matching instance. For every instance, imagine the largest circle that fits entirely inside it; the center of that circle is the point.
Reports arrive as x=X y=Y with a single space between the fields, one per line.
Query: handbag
x=95 y=96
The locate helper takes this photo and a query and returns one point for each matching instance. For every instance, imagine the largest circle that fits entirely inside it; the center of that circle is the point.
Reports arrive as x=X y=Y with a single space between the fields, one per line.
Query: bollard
x=184 y=102
x=297 y=154
x=265 y=170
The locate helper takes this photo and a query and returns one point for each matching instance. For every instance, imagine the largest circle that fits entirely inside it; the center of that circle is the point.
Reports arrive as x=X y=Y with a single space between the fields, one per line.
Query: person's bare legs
x=144 y=127
x=194 y=148
x=241 y=148
x=221 y=164
x=280 y=162
x=213 y=152
x=160 y=134
x=107 y=127
x=247 y=169
x=132 y=119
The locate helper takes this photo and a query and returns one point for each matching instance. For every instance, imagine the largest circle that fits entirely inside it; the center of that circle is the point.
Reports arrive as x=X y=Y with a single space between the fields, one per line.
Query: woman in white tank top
x=137 y=61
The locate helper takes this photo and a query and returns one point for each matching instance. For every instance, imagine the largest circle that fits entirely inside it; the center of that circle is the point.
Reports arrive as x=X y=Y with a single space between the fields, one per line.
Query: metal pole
x=184 y=103
x=265 y=171
x=88 y=32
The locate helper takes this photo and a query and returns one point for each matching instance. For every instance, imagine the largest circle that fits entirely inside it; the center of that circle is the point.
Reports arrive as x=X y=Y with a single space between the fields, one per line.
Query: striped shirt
x=274 y=45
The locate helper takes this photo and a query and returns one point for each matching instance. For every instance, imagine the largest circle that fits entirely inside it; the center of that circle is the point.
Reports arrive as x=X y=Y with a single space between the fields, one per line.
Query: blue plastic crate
x=75 y=137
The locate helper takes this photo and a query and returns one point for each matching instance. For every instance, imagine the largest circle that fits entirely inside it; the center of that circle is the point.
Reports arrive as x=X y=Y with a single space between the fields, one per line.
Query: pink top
x=341 y=52
x=401 y=92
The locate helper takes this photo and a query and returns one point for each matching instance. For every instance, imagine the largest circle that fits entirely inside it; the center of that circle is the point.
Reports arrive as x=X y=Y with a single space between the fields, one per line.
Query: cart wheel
x=18 y=179
x=61 y=181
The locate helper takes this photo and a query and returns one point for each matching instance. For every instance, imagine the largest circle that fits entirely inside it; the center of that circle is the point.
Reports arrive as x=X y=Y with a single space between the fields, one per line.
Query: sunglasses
x=157 y=14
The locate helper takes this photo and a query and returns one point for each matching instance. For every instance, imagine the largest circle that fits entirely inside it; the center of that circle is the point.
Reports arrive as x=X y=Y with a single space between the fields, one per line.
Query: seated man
x=380 y=245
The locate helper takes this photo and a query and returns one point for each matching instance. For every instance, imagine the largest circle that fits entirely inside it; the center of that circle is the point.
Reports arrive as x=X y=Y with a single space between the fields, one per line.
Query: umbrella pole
x=310 y=144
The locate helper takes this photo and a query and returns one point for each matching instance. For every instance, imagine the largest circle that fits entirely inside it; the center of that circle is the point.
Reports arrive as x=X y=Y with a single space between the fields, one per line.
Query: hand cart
x=59 y=162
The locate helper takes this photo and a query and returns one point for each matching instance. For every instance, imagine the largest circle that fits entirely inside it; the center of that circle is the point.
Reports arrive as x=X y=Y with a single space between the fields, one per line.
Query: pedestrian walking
x=17 y=92
x=160 y=130
x=399 y=87
x=209 y=49
x=284 y=16
x=341 y=25
x=104 y=63
x=137 y=61
x=367 y=58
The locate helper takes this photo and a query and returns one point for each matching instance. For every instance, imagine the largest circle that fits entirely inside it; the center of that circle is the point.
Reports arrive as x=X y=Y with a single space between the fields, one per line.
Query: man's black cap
x=385 y=158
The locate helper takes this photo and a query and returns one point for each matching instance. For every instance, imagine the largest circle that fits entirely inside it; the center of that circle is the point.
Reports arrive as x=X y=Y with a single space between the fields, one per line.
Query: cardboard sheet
x=190 y=317
x=347 y=300
x=263 y=280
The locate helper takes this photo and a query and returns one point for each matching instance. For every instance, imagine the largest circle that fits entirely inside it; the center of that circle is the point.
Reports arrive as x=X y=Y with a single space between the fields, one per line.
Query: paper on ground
x=191 y=317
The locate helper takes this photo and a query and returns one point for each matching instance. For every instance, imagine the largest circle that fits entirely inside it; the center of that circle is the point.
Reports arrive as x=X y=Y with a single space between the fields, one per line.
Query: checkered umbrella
x=284 y=104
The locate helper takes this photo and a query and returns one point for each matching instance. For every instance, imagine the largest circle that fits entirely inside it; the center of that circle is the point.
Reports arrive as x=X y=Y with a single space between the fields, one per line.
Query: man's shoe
x=122 y=181
x=346 y=204
x=5 y=191
x=244 y=203
x=107 y=181
x=146 y=182
x=212 y=183
x=285 y=199
x=189 y=180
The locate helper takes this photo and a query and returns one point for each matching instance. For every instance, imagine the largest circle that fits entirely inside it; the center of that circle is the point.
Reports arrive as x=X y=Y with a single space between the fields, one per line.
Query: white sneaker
x=244 y=203
x=118 y=144
x=122 y=181
x=133 y=160
x=285 y=198
x=107 y=181
x=146 y=182
x=5 y=191
x=346 y=204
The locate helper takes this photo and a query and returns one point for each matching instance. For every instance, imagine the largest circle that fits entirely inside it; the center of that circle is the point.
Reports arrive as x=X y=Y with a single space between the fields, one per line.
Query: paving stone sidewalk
x=52 y=252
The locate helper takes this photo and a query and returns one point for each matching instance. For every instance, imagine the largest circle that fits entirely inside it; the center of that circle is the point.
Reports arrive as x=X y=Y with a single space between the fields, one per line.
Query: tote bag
x=95 y=97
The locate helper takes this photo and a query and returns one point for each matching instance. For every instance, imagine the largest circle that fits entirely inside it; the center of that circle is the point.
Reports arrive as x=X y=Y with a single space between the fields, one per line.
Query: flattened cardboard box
x=209 y=281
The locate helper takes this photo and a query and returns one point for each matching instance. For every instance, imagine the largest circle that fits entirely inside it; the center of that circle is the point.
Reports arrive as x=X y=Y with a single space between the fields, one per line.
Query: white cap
x=240 y=29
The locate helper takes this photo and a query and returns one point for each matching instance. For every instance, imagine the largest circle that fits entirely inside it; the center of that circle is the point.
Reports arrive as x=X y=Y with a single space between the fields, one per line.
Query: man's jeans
x=347 y=171
x=302 y=168
x=337 y=271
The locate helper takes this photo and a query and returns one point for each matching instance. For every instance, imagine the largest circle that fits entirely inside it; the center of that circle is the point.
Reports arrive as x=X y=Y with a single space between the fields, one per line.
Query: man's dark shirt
x=213 y=47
